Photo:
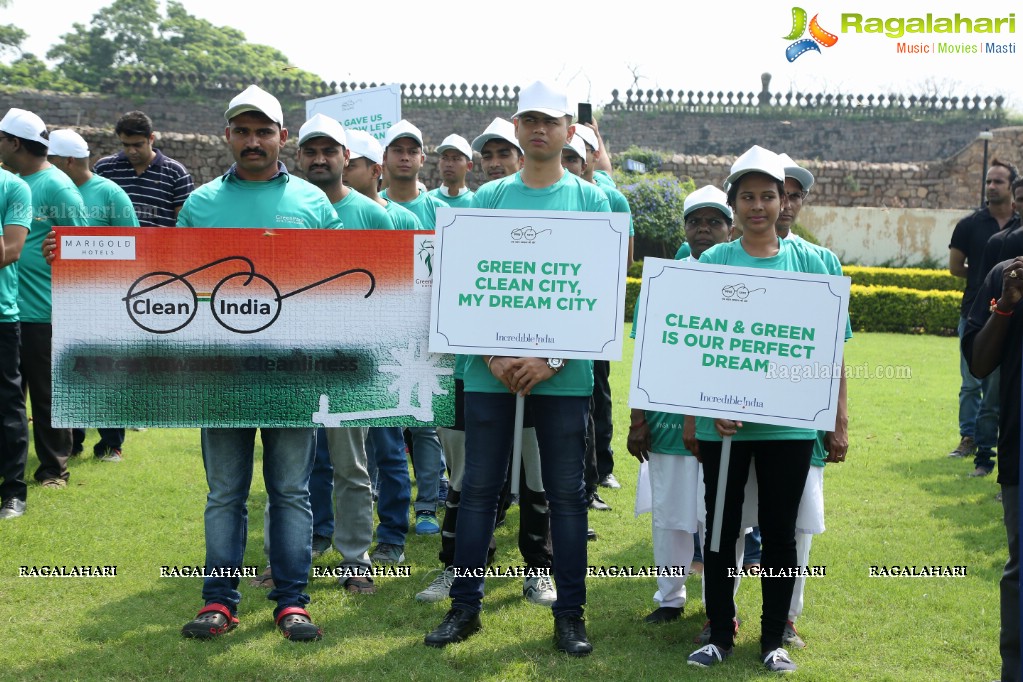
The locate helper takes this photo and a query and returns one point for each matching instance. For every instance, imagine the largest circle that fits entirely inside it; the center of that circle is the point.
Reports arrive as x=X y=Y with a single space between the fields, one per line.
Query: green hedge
x=880 y=309
x=907 y=278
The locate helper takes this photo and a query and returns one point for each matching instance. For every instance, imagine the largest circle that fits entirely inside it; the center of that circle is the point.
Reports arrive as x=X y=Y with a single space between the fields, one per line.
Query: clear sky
x=597 y=46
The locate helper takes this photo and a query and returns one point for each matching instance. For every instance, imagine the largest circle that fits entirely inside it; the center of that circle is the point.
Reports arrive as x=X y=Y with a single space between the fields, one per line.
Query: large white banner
x=529 y=283
x=373 y=110
x=740 y=343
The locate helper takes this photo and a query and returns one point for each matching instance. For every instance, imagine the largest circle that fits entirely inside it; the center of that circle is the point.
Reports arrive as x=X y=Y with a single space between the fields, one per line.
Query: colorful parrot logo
x=817 y=36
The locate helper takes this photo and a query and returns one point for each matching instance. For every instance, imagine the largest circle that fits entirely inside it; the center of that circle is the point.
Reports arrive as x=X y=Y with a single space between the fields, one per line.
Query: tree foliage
x=133 y=35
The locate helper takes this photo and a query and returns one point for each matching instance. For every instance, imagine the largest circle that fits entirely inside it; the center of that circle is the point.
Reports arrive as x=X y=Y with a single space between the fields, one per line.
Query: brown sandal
x=359 y=584
x=264 y=579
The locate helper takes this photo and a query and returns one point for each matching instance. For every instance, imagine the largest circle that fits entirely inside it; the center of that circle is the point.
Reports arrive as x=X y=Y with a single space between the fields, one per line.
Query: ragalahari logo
x=817 y=36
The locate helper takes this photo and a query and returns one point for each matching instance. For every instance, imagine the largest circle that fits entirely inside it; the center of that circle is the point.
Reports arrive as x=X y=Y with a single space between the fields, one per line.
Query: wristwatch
x=555 y=364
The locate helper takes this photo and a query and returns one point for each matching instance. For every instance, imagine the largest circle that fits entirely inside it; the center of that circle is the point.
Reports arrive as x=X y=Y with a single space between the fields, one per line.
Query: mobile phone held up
x=585 y=113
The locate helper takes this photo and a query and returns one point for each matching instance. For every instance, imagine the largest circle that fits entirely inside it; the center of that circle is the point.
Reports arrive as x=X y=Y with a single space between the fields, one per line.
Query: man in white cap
x=106 y=205
x=557 y=392
x=257 y=192
x=827 y=446
x=365 y=168
x=657 y=437
x=403 y=159
x=157 y=184
x=323 y=158
x=55 y=201
x=16 y=221
x=500 y=154
x=454 y=164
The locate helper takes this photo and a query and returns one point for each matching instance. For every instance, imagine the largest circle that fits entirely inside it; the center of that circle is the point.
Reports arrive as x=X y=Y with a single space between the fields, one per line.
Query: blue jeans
x=753 y=549
x=978 y=409
x=561 y=423
x=428 y=460
x=321 y=488
x=386 y=446
x=287 y=462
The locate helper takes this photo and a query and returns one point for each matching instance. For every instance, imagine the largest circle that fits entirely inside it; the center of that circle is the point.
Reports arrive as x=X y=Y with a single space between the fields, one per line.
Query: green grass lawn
x=897 y=500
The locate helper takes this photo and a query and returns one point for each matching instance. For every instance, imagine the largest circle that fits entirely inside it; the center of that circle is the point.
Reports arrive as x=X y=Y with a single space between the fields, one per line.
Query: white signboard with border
x=529 y=283
x=373 y=110
x=740 y=343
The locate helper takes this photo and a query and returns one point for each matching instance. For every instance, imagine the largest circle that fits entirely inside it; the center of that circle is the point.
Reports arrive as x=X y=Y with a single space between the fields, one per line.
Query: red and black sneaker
x=212 y=621
x=296 y=624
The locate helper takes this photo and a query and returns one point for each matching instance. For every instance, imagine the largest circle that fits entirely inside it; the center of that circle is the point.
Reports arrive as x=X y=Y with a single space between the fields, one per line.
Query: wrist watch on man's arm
x=555 y=364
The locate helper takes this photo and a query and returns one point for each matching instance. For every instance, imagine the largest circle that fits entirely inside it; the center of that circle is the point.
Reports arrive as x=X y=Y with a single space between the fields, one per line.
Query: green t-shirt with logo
x=424 y=206
x=106 y=204
x=567 y=194
x=359 y=212
x=284 y=201
x=15 y=209
x=401 y=217
x=463 y=200
x=55 y=202
x=792 y=258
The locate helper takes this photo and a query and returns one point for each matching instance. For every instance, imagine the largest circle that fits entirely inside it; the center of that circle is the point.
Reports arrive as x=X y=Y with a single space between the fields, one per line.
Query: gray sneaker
x=386 y=553
x=12 y=508
x=539 y=589
x=791 y=638
x=439 y=589
x=778 y=661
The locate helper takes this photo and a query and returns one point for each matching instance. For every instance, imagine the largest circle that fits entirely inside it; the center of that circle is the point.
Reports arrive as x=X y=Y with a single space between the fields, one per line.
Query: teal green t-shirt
x=567 y=194
x=463 y=200
x=424 y=206
x=401 y=217
x=55 y=202
x=619 y=204
x=792 y=258
x=359 y=212
x=106 y=204
x=284 y=201
x=603 y=179
x=15 y=209
x=683 y=251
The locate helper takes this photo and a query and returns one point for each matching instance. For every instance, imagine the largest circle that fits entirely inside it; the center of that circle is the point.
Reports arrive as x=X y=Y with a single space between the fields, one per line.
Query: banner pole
x=516 y=463
x=719 y=499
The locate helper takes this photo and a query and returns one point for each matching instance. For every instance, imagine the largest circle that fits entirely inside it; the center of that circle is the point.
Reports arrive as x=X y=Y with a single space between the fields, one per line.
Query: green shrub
x=880 y=309
x=651 y=157
x=805 y=234
x=908 y=278
x=657 y=207
x=905 y=311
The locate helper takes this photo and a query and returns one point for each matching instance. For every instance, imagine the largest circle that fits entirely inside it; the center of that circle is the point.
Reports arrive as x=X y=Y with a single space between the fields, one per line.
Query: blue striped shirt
x=162 y=187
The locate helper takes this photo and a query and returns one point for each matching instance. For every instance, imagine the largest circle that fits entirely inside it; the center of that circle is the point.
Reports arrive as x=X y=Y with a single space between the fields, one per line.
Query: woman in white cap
x=780 y=455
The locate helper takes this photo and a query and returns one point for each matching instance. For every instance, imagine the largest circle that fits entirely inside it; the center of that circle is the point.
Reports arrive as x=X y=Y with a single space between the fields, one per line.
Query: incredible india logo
x=817 y=36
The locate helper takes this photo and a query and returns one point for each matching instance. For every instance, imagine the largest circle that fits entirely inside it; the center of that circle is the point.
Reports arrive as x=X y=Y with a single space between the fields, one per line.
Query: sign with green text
x=529 y=283
x=739 y=343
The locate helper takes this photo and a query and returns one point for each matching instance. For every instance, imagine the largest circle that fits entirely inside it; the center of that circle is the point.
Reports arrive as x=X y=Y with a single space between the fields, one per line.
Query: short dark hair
x=1016 y=184
x=733 y=189
x=134 y=123
x=1013 y=171
x=36 y=149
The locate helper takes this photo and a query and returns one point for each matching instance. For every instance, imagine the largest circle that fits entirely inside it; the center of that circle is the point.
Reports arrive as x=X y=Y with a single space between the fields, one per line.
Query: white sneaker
x=539 y=590
x=439 y=589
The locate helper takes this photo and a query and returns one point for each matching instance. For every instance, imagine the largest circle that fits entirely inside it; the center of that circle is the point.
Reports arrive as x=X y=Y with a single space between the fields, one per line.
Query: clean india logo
x=818 y=36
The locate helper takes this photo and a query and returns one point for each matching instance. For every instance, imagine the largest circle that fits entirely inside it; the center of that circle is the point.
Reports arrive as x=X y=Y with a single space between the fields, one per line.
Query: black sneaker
x=570 y=636
x=598 y=504
x=707 y=656
x=458 y=625
x=664 y=614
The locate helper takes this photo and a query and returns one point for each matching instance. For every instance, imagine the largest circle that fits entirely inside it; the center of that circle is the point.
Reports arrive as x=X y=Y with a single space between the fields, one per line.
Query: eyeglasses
x=796 y=196
x=711 y=223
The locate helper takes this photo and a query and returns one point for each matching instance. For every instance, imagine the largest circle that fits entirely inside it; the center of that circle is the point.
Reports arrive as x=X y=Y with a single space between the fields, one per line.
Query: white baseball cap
x=362 y=144
x=456 y=142
x=403 y=129
x=756 y=159
x=576 y=144
x=68 y=143
x=588 y=136
x=321 y=125
x=255 y=98
x=707 y=196
x=796 y=172
x=499 y=129
x=24 y=124
x=545 y=98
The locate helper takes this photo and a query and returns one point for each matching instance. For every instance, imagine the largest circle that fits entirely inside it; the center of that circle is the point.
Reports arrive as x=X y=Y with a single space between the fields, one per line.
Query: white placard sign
x=529 y=283
x=373 y=110
x=740 y=343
